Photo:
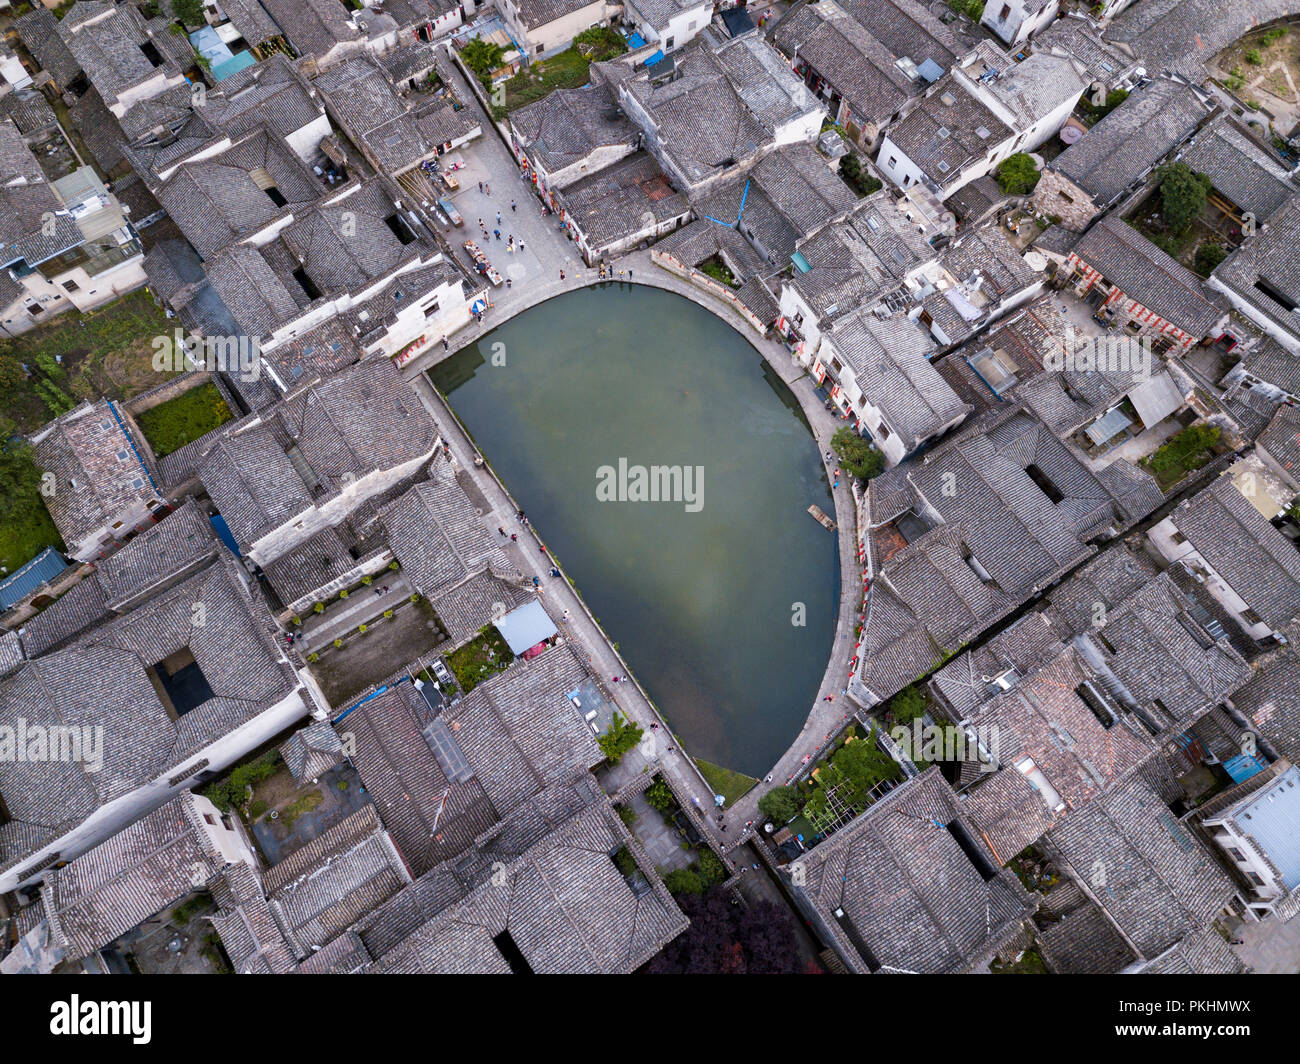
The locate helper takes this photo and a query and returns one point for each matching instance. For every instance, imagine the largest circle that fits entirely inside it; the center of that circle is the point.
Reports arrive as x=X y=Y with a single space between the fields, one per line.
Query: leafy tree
x=684 y=881
x=862 y=764
x=861 y=181
x=660 y=797
x=621 y=737
x=11 y=372
x=1183 y=193
x=1017 y=175
x=724 y=938
x=906 y=706
x=482 y=57
x=20 y=480
x=711 y=869
x=1208 y=256
x=856 y=454
x=189 y=12
x=780 y=804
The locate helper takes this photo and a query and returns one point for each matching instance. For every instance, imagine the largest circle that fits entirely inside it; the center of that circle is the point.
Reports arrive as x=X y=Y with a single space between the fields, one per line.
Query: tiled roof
x=621 y=200
x=568 y=125
x=123 y=881
x=911 y=898
x=1253 y=558
x=1143 y=272
x=1153 y=878
x=314 y=27
x=178 y=543
x=1242 y=168
x=1120 y=149
x=847 y=56
x=141 y=741
x=941 y=137
x=907 y=29
x=1269 y=258
x=361 y=97
x=534 y=14
x=311 y=751
x=98 y=472
x=39 y=31
x=890 y=363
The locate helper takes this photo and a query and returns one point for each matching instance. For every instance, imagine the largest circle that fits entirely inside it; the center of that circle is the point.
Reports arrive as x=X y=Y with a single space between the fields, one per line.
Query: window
x=71 y=286
x=1006 y=10
x=1178 y=537
x=1251 y=617
x=1256 y=878
x=893 y=160
x=668 y=43
x=1236 y=854
x=431 y=309
x=1089 y=697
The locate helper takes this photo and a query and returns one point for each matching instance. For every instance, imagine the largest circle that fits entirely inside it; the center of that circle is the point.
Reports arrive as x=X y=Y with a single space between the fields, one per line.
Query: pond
x=588 y=402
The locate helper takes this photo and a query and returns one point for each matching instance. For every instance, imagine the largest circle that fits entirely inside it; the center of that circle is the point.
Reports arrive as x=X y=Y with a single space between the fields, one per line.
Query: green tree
x=1183 y=193
x=482 y=57
x=856 y=454
x=780 y=804
x=684 y=881
x=906 y=706
x=621 y=737
x=862 y=764
x=711 y=869
x=1208 y=256
x=20 y=480
x=1017 y=174
x=11 y=372
x=189 y=12
x=660 y=797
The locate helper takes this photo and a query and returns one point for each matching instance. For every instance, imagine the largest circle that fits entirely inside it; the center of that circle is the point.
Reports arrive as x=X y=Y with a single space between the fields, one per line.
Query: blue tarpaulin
x=19 y=584
x=652 y=60
x=636 y=41
x=526 y=627
x=224 y=534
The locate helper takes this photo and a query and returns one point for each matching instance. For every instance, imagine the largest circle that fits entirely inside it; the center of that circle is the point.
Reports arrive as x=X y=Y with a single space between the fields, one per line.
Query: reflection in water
x=700 y=603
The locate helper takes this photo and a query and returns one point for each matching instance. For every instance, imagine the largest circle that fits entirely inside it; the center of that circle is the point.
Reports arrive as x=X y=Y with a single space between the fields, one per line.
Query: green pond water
x=700 y=593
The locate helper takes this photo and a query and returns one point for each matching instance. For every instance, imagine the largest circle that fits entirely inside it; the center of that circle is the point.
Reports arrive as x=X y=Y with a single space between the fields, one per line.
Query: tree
x=856 y=454
x=1017 y=175
x=1208 y=256
x=621 y=737
x=684 y=881
x=906 y=706
x=189 y=12
x=1183 y=193
x=482 y=57
x=20 y=480
x=725 y=939
x=780 y=804
x=11 y=372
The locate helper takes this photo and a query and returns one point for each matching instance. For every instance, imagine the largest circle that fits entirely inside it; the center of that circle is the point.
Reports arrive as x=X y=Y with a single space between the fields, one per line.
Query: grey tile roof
x=1242 y=168
x=311 y=751
x=250 y=935
x=1271 y=362
x=1269 y=258
x=79 y=608
x=271 y=93
x=219 y=200
x=890 y=362
x=563 y=902
x=178 y=544
x=344 y=427
x=1120 y=149
x=319 y=891
x=787 y=196
x=842 y=51
x=907 y=29
x=1076 y=38
x=702 y=123
x=132 y=876
x=105 y=39
x=941 y=137
x=860 y=260
x=1253 y=557
x=913 y=899
x=39 y=31
x=141 y=740
x=1085 y=942
x=441 y=542
x=621 y=200
x=568 y=125
x=1282 y=439
x=98 y=474
x=251 y=19
x=30 y=111
x=1157 y=881
x=1271 y=698
x=1143 y=272
x=430 y=817
x=314 y=27
x=1109 y=579
x=361 y=97
x=534 y=14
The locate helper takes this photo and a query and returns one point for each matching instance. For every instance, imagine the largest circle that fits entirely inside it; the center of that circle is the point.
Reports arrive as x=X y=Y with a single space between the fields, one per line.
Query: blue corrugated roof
x=526 y=627
x=1272 y=819
x=21 y=583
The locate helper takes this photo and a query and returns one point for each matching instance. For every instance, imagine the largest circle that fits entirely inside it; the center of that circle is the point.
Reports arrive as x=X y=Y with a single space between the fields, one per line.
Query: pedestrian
x=521 y=245
x=724 y=827
x=487 y=188
x=481 y=225
x=629 y=273
x=512 y=206
x=480 y=188
x=695 y=799
x=514 y=538
x=385 y=589
x=507 y=282
x=566 y=615
x=498 y=217
x=496 y=233
x=561 y=275
x=445 y=346
x=501 y=530
x=768 y=779
x=378 y=592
